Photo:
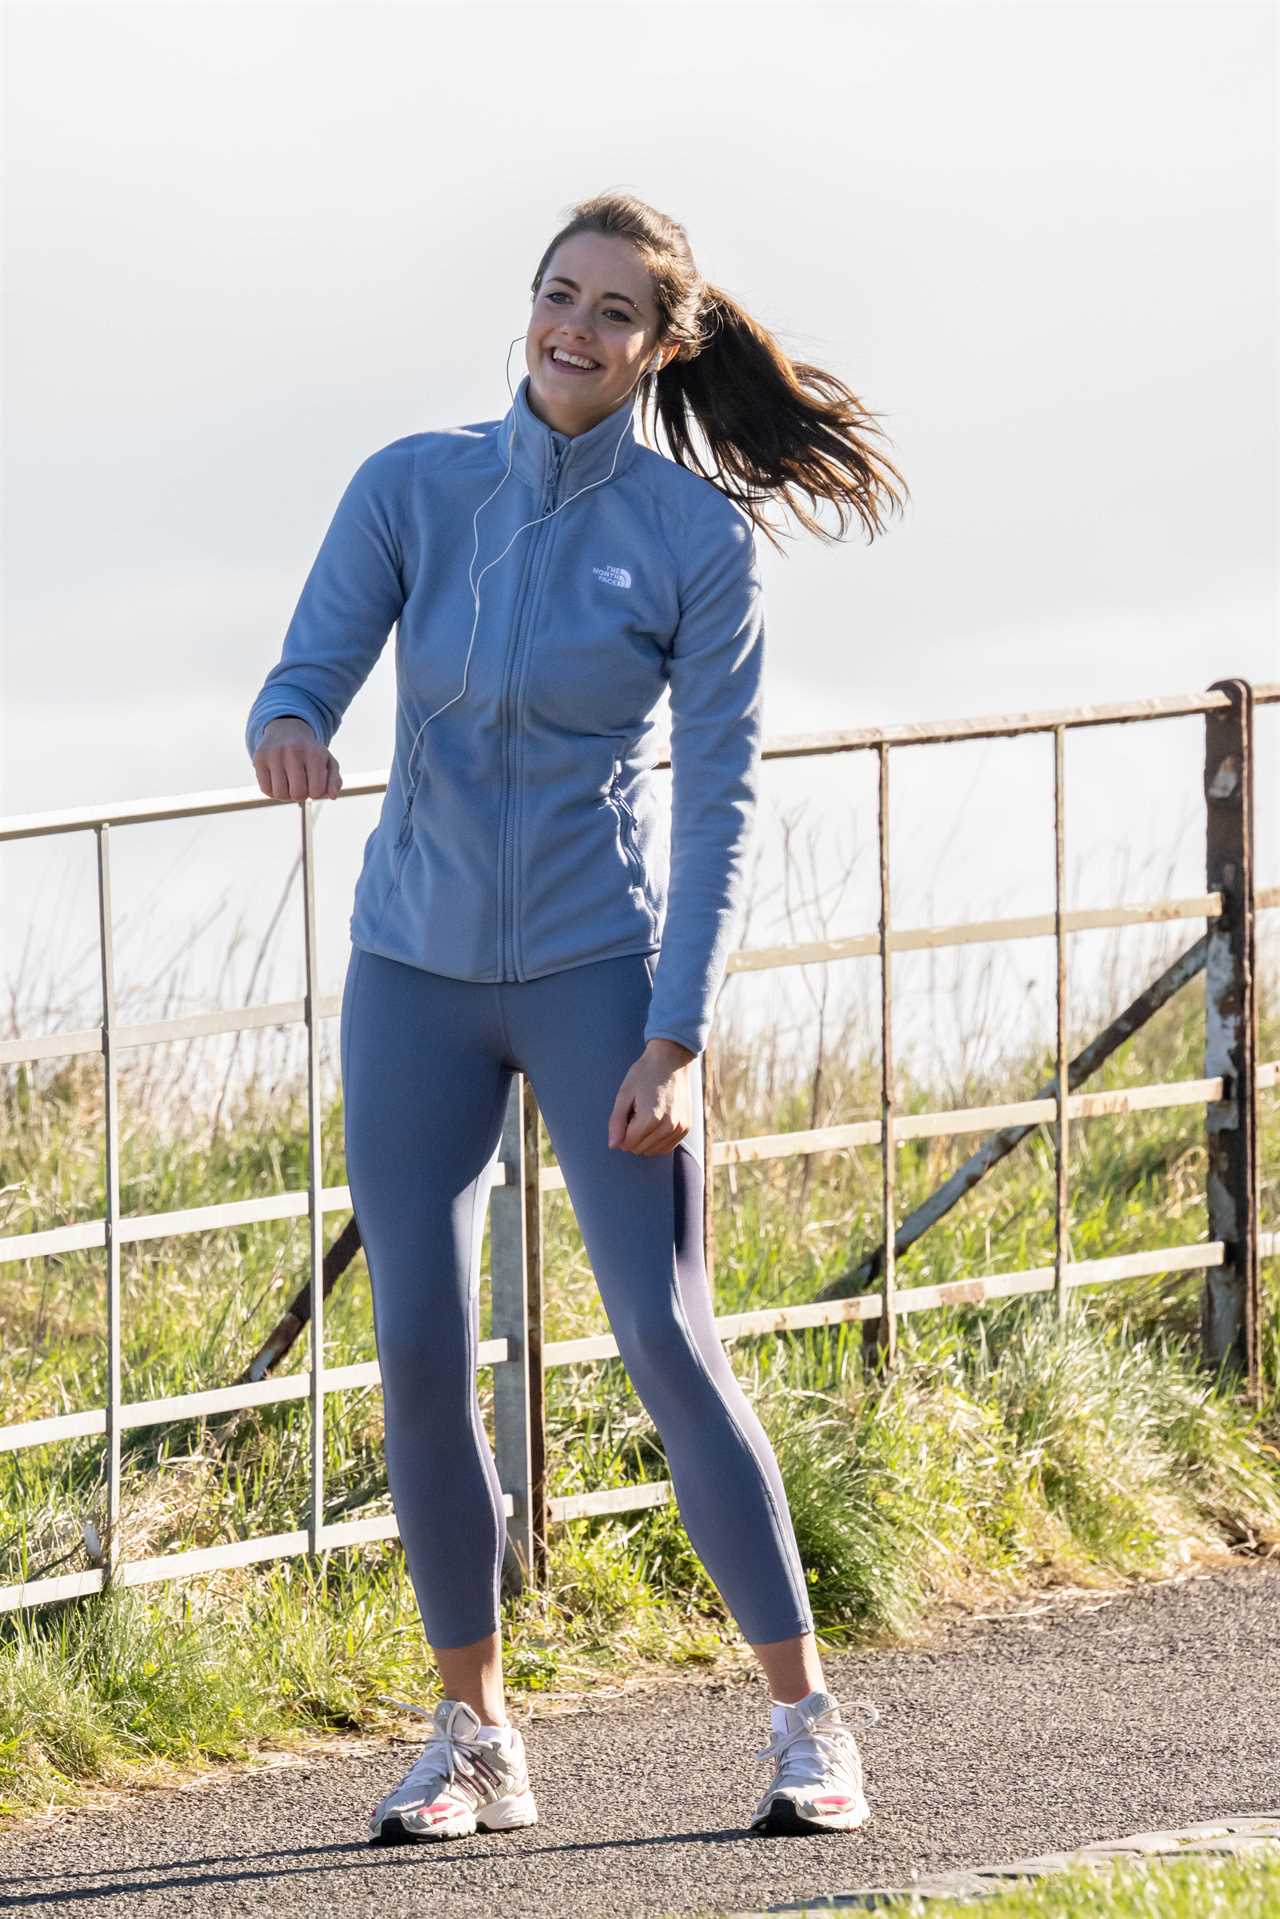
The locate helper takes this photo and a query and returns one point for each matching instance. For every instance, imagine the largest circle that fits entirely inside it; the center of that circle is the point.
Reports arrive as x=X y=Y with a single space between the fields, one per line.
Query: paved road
x=1153 y=1710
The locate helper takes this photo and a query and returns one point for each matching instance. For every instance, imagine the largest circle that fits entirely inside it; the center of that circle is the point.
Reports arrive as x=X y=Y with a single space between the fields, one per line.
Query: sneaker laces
x=447 y=1757
x=826 y=1736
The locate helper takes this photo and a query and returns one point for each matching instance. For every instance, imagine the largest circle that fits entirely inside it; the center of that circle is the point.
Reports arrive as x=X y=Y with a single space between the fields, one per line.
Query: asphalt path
x=1096 y=1718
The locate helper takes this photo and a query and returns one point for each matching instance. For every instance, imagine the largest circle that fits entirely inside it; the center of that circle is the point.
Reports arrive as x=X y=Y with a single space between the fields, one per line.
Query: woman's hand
x=654 y=1108
x=291 y=764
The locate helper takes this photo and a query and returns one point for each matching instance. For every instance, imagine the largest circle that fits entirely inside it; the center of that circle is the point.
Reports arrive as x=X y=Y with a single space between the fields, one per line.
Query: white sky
x=244 y=245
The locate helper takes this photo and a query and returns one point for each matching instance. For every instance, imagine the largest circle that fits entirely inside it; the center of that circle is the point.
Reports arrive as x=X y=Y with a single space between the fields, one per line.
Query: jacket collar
x=584 y=457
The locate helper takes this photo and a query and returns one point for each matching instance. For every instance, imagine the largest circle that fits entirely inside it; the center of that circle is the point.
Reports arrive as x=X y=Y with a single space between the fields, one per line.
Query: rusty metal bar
x=1230 y=1314
x=280 y=1339
x=111 y=1222
x=1009 y=725
x=989 y=727
x=1062 y=1075
x=243 y=799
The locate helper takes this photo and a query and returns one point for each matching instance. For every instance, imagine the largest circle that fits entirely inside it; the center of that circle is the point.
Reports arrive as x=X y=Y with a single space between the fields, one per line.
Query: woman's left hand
x=654 y=1108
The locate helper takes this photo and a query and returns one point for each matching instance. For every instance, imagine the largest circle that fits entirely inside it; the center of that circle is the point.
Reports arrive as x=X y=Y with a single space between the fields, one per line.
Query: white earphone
x=654 y=366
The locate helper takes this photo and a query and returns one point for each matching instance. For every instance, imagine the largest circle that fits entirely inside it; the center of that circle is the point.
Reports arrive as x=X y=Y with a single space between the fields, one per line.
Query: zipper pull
x=552 y=483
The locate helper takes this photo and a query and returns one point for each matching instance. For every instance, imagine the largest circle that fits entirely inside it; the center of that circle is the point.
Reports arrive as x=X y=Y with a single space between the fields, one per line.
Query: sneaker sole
x=501 y=1815
x=784 y=1816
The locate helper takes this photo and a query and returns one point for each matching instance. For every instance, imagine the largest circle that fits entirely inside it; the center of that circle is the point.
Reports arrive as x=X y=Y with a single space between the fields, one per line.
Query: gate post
x=880 y=1336
x=1229 y=1315
x=515 y=1266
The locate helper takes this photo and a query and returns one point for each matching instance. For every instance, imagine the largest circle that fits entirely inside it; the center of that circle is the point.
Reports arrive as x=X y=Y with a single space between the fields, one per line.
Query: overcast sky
x=246 y=244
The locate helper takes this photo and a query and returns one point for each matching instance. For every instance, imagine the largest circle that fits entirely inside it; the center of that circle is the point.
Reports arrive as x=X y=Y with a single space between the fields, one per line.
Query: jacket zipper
x=506 y=851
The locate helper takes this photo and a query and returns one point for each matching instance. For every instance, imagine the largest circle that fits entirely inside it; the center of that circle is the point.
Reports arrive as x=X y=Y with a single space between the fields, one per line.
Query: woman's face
x=595 y=303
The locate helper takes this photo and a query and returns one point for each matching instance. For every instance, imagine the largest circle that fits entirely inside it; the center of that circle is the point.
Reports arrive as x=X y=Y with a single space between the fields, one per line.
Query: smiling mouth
x=567 y=366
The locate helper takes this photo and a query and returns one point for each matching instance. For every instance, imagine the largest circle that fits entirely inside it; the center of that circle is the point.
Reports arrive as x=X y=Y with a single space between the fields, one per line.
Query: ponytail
x=773 y=427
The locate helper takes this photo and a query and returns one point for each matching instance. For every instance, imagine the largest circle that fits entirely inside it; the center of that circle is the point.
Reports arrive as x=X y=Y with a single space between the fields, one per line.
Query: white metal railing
x=516 y=1352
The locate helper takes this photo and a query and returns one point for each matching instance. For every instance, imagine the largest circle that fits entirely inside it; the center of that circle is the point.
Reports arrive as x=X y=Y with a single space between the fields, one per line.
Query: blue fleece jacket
x=523 y=830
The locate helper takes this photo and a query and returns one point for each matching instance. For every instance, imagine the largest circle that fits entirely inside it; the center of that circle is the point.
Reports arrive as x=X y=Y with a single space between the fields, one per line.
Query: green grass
x=1006 y=1451
x=1246 y=1888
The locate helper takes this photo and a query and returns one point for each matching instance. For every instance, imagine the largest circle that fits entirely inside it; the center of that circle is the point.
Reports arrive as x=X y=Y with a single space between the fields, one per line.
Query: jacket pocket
x=631 y=847
x=399 y=854
x=404 y=832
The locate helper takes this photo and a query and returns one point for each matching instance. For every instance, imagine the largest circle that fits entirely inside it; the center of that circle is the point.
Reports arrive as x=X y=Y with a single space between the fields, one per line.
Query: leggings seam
x=477 y=1427
x=794 y=1567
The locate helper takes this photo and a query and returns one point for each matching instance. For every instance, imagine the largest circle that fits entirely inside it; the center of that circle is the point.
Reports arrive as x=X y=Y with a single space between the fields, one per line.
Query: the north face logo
x=612 y=575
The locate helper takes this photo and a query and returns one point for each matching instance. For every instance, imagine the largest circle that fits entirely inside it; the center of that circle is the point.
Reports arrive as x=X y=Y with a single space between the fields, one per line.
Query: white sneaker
x=461 y=1782
x=817 y=1783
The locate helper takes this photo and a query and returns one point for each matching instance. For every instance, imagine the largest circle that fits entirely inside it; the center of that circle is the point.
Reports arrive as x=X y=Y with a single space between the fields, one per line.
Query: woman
x=515 y=911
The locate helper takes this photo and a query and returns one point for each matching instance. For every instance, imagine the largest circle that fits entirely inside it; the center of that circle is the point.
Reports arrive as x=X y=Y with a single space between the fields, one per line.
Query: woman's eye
x=611 y=313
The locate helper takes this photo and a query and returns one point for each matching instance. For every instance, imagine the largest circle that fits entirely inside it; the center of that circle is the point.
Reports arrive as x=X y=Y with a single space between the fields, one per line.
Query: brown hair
x=774 y=426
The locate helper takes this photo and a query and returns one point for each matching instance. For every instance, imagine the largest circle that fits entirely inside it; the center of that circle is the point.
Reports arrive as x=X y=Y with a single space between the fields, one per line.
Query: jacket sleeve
x=715 y=670
x=350 y=600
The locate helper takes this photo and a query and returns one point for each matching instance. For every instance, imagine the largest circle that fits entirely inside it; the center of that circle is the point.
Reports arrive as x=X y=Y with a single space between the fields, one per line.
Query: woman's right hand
x=291 y=764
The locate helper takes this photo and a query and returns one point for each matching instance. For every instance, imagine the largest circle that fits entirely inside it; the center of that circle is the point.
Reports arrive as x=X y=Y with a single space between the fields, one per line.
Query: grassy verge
x=1006 y=1452
x=1176 y=1889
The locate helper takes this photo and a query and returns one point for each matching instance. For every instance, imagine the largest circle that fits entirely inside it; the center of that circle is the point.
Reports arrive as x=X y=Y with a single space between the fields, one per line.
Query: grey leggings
x=426 y=1067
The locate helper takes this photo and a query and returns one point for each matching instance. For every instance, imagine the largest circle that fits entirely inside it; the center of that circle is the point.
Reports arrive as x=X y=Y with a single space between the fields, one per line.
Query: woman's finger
x=665 y=1142
x=645 y=1129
